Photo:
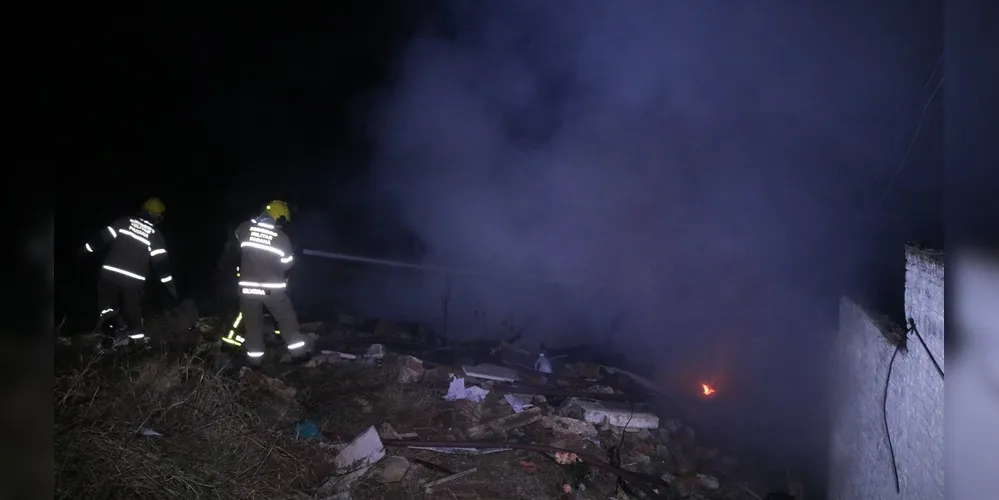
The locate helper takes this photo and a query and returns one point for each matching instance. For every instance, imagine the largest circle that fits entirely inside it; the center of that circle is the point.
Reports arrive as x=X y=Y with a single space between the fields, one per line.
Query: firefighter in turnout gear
x=134 y=243
x=233 y=338
x=265 y=258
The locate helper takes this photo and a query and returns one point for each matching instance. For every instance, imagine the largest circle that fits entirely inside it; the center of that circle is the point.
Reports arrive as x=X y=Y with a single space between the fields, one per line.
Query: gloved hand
x=172 y=289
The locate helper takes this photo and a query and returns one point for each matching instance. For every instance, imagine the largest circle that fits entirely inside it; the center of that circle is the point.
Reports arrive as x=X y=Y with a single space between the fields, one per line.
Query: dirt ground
x=173 y=425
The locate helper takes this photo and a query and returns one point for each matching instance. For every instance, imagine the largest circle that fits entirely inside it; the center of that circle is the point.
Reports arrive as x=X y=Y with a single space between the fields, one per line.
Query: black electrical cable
x=884 y=412
x=884 y=401
x=912 y=328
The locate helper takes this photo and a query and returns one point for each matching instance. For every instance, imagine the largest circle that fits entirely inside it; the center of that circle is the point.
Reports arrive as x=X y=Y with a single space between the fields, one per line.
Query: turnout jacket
x=134 y=243
x=265 y=256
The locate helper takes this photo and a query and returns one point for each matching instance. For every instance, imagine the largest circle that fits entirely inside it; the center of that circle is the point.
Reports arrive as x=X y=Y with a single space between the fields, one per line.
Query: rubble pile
x=383 y=410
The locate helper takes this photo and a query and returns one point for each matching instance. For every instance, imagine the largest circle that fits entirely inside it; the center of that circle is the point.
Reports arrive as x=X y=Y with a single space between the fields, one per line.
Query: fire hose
x=430 y=268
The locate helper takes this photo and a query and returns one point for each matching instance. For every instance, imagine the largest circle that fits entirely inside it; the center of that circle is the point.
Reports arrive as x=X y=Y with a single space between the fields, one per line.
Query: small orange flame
x=707 y=389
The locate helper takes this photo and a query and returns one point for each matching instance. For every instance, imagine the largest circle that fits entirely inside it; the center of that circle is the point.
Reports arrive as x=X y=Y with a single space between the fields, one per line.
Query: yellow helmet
x=154 y=206
x=277 y=209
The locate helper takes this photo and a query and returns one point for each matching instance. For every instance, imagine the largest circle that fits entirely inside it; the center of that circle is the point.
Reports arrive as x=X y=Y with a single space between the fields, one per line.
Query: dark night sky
x=217 y=123
x=716 y=149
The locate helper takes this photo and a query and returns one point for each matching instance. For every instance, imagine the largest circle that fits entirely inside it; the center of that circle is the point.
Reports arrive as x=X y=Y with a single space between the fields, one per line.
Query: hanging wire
x=912 y=328
x=905 y=157
x=884 y=413
x=919 y=124
x=884 y=400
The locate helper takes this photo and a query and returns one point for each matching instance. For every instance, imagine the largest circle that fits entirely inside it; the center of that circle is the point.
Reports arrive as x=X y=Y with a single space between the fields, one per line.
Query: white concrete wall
x=860 y=462
x=973 y=387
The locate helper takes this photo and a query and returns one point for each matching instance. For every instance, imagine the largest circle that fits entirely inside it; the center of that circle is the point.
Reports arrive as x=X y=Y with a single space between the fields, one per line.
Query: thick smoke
x=675 y=181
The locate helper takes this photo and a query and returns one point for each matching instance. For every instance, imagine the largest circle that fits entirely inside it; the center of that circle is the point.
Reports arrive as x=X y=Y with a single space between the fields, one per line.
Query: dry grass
x=222 y=437
x=228 y=437
x=346 y=398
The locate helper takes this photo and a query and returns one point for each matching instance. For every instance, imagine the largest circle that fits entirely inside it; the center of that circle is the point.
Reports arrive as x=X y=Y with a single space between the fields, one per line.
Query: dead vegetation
x=187 y=422
x=172 y=427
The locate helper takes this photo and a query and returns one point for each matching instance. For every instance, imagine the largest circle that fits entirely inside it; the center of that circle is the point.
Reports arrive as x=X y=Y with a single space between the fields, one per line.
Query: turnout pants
x=279 y=305
x=121 y=301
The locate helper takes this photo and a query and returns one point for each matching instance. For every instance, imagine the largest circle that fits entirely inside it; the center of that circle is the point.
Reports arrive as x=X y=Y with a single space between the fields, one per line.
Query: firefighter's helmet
x=154 y=206
x=278 y=209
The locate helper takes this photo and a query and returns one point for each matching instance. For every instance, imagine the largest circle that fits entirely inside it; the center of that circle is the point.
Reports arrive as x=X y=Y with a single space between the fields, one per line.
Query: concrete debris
x=516 y=402
x=392 y=469
x=563 y=425
x=410 y=370
x=609 y=413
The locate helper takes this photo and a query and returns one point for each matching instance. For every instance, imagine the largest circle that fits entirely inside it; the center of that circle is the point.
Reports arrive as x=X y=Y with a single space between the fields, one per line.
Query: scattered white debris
x=517 y=402
x=356 y=458
x=149 y=432
x=624 y=416
x=542 y=364
x=457 y=390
